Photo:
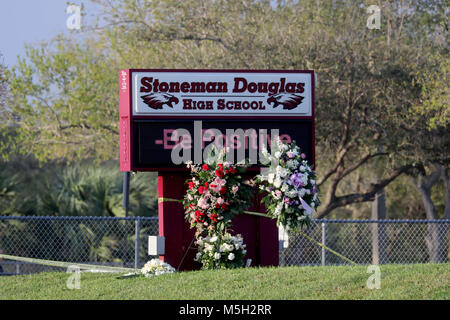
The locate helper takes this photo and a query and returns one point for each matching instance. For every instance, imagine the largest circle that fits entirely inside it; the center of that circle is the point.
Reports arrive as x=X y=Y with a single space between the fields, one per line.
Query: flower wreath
x=290 y=186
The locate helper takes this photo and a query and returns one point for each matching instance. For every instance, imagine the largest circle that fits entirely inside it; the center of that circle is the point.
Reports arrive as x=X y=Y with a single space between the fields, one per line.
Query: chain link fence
x=94 y=240
x=123 y=241
x=368 y=242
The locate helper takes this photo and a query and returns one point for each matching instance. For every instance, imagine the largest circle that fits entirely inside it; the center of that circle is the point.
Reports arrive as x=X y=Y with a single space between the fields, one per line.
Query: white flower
x=277 y=183
x=214 y=239
x=313 y=182
x=302 y=168
x=292 y=193
x=284 y=187
x=305 y=179
x=231 y=256
x=156 y=267
x=270 y=178
x=301 y=192
x=216 y=256
x=278 y=208
x=282 y=172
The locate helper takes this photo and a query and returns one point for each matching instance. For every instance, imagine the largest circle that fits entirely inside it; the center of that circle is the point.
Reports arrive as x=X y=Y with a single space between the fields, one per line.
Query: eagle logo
x=157 y=100
x=288 y=100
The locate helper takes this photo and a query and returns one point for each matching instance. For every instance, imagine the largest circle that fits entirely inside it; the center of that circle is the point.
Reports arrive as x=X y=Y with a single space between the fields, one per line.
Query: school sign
x=210 y=107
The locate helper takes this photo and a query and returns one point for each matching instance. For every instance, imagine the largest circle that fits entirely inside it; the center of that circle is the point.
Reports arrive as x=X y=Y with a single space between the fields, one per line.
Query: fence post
x=324 y=242
x=137 y=242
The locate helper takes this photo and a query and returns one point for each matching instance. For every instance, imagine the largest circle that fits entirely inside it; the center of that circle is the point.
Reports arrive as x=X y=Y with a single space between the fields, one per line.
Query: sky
x=31 y=22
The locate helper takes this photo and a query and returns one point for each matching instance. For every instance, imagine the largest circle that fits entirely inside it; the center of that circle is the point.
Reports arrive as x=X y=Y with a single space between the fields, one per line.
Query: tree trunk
x=446 y=178
x=379 y=229
x=436 y=234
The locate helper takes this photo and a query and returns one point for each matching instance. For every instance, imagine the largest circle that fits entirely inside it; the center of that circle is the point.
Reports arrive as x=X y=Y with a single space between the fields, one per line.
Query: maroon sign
x=156 y=105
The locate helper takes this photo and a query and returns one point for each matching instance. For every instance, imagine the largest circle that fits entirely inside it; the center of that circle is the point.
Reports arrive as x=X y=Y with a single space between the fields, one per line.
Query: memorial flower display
x=221 y=251
x=217 y=191
x=156 y=267
x=289 y=184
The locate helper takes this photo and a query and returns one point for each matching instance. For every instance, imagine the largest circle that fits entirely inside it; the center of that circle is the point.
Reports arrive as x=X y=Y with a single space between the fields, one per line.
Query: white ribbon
x=308 y=209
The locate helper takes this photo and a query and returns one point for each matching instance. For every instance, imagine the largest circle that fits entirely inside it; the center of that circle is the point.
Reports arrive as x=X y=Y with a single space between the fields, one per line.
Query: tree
x=370 y=81
x=3 y=83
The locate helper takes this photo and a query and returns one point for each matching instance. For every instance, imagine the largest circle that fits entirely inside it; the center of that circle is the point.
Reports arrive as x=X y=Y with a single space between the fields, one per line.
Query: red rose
x=201 y=190
x=217 y=206
x=223 y=190
x=224 y=206
x=198 y=213
x=232 y=170
x=220 y=165
x=226 y=171
x=206 y=184
x=219 y=173
x=191 y=185
x=205 y=167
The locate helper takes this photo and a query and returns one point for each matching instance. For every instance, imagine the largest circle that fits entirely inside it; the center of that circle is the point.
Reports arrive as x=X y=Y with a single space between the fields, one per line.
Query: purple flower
x=296 y=180
x=303 y=156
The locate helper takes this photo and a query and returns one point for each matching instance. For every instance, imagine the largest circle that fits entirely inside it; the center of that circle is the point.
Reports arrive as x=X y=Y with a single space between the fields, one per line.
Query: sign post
x=168 y=117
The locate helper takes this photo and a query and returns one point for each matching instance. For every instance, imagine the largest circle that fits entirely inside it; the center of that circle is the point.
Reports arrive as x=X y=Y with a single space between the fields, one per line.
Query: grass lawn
x=419 y=281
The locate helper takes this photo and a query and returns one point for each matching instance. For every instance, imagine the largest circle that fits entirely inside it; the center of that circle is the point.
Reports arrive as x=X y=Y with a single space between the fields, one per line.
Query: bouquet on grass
x=156 y=267
x=221 y=251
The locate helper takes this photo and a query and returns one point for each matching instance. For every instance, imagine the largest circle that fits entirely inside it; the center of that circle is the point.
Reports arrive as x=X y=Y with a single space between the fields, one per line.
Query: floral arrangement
x=215 y=194
x=290 y=186
x=221 y=252
x=156 y=267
